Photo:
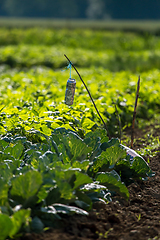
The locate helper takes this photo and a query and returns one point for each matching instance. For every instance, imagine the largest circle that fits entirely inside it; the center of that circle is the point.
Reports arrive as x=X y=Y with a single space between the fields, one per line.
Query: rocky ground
x=138 y=219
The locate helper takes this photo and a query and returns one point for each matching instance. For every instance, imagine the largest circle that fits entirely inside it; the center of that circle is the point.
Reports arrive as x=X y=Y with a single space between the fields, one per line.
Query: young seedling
x=134 y=113
x=138 y=217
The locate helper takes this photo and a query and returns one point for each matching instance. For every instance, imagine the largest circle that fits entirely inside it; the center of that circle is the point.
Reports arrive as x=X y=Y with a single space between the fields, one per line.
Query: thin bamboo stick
x=134 y=113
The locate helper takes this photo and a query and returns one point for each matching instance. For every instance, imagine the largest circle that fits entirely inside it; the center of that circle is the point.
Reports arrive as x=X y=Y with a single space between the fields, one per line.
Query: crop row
x=39 y=93
x=44 y=176
x=53 y=57
x=93 y=40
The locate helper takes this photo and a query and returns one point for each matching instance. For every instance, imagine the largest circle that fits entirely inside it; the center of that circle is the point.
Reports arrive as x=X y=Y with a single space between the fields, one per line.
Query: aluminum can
x=70 y=90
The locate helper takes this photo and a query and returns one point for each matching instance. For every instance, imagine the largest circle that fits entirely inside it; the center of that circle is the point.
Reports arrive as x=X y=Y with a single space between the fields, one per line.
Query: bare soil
x=137 y=219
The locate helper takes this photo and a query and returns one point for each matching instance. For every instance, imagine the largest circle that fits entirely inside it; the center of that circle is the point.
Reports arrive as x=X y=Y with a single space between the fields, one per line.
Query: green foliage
x=52 y=57
x=20 y=219
x=35 y=99
x=115 y=51
x=43 y=184
x=109 y=179
x=5 y=226
x=56 y=159
x=27 y=185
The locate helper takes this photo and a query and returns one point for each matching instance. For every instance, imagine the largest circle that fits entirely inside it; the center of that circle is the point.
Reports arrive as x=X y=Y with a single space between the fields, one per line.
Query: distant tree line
x=91 y=9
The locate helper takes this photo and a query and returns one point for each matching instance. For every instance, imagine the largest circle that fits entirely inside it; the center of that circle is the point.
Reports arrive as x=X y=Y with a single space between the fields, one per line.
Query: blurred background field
x=136 y=25
x=112 y=50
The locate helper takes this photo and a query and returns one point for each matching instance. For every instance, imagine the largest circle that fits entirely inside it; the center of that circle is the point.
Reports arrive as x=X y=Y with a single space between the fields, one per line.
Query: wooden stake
x=119 y=122
x=134 y=113
x=89 y=96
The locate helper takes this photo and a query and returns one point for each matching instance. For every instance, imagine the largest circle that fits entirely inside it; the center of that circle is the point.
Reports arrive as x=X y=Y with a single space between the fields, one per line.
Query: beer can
x=70 y=90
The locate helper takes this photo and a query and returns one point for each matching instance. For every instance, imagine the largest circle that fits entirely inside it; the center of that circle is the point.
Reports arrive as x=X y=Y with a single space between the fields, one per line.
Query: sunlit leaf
x=81 y=179
x=141 y=167
x=61 y=208
x=26 y=185
x=3 y=192
x=112 y=183
x=5 y=226
x=17 y=150
x=19 y=218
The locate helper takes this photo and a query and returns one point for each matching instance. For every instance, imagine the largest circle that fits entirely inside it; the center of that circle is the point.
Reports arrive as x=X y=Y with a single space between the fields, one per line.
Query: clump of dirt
x=138 y=219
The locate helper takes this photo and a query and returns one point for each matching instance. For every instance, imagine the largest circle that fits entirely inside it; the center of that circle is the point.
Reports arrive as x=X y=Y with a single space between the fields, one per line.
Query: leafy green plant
x=59 y=174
